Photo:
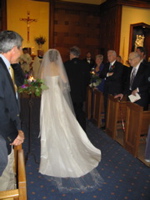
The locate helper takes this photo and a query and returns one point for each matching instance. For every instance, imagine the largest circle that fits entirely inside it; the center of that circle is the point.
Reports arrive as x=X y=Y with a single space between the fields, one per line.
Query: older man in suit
x=138 y=81
x=79 y=76
x=10 y=126
x=112 y=73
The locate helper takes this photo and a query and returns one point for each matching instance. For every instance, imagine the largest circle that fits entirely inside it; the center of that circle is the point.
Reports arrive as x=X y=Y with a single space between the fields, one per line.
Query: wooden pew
x=116 y=114
x=89 y=102
x=20 y=193
x=137 y=123
x=98 y=108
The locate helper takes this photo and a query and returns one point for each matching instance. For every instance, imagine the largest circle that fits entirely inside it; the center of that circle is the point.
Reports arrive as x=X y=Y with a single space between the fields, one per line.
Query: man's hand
x=95 y=88
x=110 y=74
x=19 y=139
x=120 y=96
x=134 y=92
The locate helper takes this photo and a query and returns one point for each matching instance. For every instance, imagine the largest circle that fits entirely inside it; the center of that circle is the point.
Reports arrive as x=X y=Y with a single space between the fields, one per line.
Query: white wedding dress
x=66 y=152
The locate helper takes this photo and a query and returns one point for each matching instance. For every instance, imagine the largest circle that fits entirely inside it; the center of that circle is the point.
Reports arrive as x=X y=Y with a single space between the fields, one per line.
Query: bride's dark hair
x=53 y=55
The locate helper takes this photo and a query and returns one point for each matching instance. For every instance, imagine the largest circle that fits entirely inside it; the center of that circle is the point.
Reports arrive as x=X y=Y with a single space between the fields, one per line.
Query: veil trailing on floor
x=68 y=158
x=86 y=183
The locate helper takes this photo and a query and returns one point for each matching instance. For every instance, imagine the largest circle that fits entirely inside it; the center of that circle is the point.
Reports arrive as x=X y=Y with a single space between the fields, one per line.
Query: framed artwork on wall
x=140 y=36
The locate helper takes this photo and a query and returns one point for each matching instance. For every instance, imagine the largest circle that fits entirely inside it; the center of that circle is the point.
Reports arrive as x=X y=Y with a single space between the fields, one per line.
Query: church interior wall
x=131 y=15
x=17 y=9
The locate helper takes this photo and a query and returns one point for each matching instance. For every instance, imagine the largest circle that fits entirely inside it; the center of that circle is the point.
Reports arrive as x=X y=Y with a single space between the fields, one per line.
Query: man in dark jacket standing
x=138 y=81
x=79 y=76
x=10 y=126
x=113 y=75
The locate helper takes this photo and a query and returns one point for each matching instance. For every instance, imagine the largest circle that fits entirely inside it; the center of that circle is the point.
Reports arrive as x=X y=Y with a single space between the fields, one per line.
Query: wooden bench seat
x=89 y=102
x=98 y=108
x=20 y=193
x=116 y=115
x=95 y=106
x=137 y=124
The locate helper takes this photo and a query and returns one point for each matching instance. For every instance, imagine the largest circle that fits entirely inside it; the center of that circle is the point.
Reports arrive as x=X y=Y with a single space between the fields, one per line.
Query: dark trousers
x=80 y=114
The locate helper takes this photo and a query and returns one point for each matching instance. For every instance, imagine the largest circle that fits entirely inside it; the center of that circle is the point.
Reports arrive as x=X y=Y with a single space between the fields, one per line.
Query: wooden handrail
x=21 y=192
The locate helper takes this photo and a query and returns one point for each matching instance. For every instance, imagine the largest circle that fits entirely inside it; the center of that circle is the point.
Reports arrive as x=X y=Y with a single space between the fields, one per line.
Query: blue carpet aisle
x=125 y=177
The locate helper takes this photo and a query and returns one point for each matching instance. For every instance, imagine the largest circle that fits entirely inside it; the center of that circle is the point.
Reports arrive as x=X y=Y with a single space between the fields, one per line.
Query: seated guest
x=89 y=60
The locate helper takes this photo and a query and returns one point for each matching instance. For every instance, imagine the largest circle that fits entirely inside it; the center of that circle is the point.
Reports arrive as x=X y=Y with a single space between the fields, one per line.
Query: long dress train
x=68 y=158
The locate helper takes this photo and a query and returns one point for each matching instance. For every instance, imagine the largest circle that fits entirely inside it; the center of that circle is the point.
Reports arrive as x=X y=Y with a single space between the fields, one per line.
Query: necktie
x=88 y=60
x=13 y=78
x=132 y=77
x=110 y=67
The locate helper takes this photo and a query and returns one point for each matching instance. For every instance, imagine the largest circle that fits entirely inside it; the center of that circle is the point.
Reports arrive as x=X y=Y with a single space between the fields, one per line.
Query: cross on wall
x=28 y=20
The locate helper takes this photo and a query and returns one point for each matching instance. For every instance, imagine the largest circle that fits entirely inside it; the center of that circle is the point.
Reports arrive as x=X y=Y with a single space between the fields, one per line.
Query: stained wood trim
x=118 y=28
x=134 y=3
x=76 y=6
x=131 y=32
x=3 y=16
x=51 y=23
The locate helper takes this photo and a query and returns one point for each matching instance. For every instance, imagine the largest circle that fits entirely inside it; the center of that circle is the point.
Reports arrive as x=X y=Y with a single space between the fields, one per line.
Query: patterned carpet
x=125 y=177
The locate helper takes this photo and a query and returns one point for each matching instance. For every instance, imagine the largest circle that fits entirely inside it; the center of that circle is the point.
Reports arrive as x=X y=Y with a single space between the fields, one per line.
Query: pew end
x=20 y=193
x=137 y=124
x=88 y=105
x=98 y=108
x=116 y=114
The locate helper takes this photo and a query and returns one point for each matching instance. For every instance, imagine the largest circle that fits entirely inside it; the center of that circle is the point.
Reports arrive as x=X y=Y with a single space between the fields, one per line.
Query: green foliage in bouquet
x=32 y=87
x=95 y=80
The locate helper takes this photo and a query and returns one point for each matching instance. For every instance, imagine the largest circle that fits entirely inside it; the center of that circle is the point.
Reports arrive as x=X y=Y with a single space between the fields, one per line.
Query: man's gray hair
x=113 y=52
x=8 y=40
x=75 y=51
x=134 y=54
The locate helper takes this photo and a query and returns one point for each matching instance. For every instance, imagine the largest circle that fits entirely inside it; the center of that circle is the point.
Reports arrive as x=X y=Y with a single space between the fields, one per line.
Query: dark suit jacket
x=9 y=108
x=79 y=76
x=18 y=73
x=142 y=82
x=113 y=84
x=91 y=64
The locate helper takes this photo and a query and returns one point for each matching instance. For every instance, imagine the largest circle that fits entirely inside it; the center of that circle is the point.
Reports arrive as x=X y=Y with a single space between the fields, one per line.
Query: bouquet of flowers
x=95 y=80
x=40 y=41
x=32 y=86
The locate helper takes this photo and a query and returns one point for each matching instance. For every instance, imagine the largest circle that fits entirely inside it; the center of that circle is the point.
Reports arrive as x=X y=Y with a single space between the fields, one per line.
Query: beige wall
x=131 y=15
x=17 y=9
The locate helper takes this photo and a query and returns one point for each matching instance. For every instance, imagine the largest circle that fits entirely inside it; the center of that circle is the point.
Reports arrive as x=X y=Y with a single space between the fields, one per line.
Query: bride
x=68 y=159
